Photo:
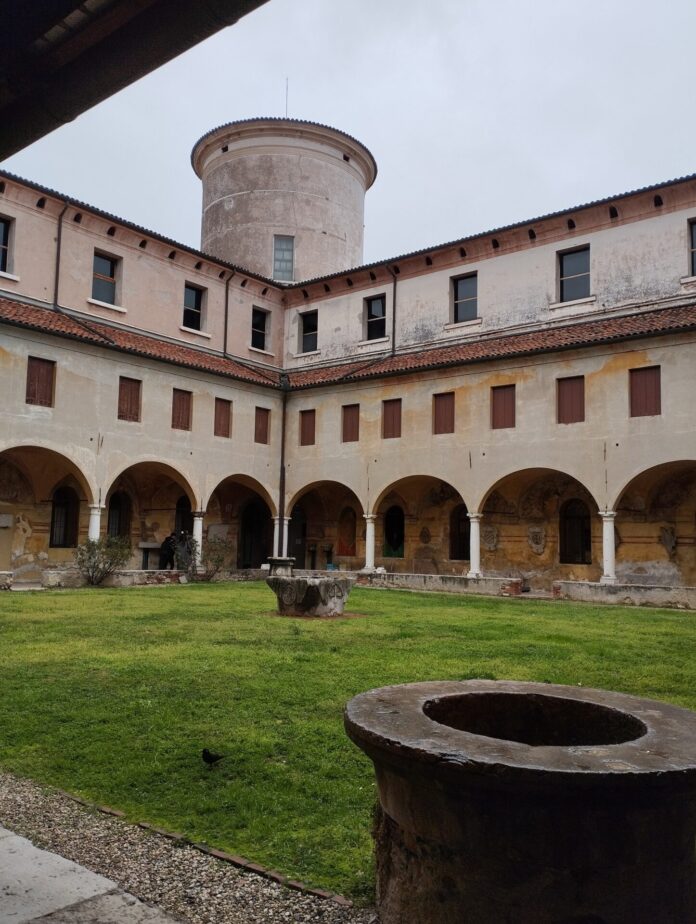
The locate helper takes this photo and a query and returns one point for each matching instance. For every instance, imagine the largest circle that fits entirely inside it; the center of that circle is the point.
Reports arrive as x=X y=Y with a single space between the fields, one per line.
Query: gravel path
x=176 y=877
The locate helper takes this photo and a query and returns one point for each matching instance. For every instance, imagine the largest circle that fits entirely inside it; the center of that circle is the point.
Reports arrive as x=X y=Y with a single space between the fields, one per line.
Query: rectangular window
x=193 y=307
x=41 y=374
x=5 y=226
x=309 y=325
x=443 y=413
x=692 y=248
x=646 y=399
x=391 y=419
x=307 y=427
x=283 y=257
x=351 y=423
x=570 y=399
x=104 y=278
x=465 y=298
x=375 y=317
x=262 y=425
x=182 y=404
x=223 y=418
x=129 y=399
x=574 y=274
x=502 y=407
x=259 y=318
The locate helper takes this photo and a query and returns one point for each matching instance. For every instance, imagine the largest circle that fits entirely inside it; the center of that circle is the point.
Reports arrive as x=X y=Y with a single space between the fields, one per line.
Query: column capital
x=98 y=507
x=285 y=519
x=475 y=516
x=198 y=514
x=369 y=516
x=607 y=514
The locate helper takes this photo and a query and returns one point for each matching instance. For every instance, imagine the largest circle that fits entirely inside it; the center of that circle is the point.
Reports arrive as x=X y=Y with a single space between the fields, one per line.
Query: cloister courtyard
x=111 y=694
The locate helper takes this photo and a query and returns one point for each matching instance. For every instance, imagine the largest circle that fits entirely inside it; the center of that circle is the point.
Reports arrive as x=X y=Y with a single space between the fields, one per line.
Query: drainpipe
x=59 y=241
x=285 y=385
x=227 y=312
x=393 y=333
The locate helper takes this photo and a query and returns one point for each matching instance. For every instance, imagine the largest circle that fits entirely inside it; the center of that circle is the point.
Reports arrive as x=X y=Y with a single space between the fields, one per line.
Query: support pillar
x=369 y=541
x=608 y=547
x=475 y=545
x=276 y=537
x=94 y=530
x=198 y=535
x=284 y=547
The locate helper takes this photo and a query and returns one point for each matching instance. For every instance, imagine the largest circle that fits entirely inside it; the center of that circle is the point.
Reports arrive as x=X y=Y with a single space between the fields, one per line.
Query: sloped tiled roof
x=116 y=338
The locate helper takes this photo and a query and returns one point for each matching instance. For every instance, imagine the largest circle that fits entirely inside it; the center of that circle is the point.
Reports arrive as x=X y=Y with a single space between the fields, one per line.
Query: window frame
x=377 y=323
x=257 y=312
x=559 y=388
x=303 y=334
x=283 y=275
x=692 y=247
x=262 y=414
x=467 y=300
x=307 y=435
x=561 y=256
x=37 y=362
x=344 y=429
x=113 y=280
x=122 y=379
x=393 y=403
x=221 y=403
x=633 y=377
x=510 y=388
x=199 y=309
x=449 y=413
x=189 y=401
x=7 y=249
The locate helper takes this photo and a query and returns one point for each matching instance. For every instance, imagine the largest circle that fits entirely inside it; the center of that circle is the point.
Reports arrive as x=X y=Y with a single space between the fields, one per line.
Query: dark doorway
x=65 y=518
x=254 y=535
x=460 y=527
x=297 y=537
x=394 y=533
x=575 y=533
x=183 y=519
x=119 y=521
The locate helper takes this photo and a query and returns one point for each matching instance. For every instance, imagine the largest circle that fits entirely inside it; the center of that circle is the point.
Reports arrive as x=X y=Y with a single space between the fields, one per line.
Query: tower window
x=104 y=278
x=465 y=298
x=259 y=319
x=5 y=226
x=574 y=274
x=309 y=326
x=193 y=307
x=283 y=257
x=375 y=317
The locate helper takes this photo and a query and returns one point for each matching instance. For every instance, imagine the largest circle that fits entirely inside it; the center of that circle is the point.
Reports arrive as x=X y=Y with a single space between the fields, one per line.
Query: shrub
x=97 y=558
x=214 y=557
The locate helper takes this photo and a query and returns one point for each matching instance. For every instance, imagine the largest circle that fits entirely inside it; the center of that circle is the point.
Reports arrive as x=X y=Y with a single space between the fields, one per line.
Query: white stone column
x=284 y=546
x=276 y=537
x=94 y=530
x=369 y=541
x=608 y=547
x=198 y=535
x=475 y=545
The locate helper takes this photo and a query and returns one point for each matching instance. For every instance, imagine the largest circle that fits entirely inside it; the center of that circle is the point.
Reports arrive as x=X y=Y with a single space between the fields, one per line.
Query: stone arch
x=44 y=467
x=315 y=539
x=131 y=472
x=246 y=481
x=240 y=511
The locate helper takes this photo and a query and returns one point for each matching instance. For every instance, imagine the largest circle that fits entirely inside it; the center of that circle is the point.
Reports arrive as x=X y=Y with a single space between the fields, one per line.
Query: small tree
x=214 y=557
x=97 y=558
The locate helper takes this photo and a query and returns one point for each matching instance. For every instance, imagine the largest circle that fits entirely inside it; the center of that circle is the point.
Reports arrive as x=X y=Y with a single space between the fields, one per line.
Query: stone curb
x=234 y=859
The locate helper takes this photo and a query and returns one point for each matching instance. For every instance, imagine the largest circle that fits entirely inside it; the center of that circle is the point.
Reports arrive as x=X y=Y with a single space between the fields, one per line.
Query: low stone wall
x=6 y=578
x=446 y=583
x=627 y=594
x=71 y=577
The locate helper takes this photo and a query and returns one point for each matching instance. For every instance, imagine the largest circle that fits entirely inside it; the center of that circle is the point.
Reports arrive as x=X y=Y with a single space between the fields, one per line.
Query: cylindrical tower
x=283 y=197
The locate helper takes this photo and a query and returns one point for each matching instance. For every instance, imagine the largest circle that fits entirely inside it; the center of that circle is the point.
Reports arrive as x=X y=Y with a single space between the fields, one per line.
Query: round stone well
x=530 y=803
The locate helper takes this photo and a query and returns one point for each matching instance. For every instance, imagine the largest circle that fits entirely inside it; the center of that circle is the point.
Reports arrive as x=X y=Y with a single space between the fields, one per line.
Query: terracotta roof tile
x=92 y=331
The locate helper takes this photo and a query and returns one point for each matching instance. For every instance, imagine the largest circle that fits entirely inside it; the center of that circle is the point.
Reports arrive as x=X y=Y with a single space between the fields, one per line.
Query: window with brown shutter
x=307 y=425
x=40 y=380
x=182 y=402
x=223 y=418
x=261 y=425
x=570 y=394
x=391 y=419
x=645 y=392
x=502 y=407
x=443 y=413
x=128 y=399
x=351 y=423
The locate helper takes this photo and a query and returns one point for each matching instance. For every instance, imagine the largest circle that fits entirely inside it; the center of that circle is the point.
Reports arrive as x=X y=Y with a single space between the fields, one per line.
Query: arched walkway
x=241 y=512
x=326 y=527
x=44 y=510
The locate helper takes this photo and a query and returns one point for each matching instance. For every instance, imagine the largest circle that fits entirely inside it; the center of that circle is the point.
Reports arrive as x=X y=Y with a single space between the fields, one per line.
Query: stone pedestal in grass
x=532 y=803
x=307 y=596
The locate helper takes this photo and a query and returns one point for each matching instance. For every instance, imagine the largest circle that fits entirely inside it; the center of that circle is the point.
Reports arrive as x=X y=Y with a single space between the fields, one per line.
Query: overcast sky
x=478 y=113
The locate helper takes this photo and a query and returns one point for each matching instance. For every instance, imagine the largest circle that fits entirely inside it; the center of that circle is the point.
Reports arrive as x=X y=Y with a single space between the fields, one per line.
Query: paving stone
x=115 y=908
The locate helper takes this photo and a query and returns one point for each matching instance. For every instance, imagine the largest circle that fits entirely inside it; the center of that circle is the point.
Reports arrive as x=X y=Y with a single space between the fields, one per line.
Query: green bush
x=97 y=558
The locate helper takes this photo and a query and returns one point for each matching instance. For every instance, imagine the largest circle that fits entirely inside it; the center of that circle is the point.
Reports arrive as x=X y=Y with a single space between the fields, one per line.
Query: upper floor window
x=692 y=248
x=309 y=326
x=129 y=399
x=41 y=374
x=443 y=413
x=193 y=307
x=283 y=257
x=5 y=230
x=391 y=419
x=502 y=407
x=465 y=298
x=645 y=396
x=182 y=407
x=350 y=423
x=375 y=317
x=259 y=320
x=570 y=399
x=104 y=278
x=262 y=422
x=307 y=427
x=222 y=425
x=574 y=274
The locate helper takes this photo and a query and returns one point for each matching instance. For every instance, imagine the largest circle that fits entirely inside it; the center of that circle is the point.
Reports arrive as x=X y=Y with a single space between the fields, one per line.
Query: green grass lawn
x=111 y=694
